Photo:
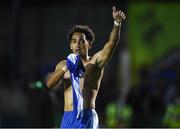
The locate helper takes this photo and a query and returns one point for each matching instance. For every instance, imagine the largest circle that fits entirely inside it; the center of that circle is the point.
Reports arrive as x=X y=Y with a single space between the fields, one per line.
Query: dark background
x=33 y=39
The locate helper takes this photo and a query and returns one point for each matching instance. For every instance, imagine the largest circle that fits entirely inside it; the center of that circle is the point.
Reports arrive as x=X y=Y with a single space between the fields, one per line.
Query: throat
x=85 y=59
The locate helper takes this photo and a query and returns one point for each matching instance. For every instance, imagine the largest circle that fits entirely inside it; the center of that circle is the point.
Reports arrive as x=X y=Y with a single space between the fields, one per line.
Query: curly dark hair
x=82 y=29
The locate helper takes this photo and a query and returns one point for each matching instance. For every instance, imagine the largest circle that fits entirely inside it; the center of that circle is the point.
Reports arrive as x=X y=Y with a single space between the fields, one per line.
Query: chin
x=80 y=54
x=77 y=53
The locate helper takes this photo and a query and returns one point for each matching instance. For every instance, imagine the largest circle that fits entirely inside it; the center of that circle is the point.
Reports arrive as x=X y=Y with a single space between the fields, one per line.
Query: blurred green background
x=153 y=31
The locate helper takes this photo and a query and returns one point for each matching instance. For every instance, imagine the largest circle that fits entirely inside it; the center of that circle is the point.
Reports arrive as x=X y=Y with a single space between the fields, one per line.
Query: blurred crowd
x=157 y=91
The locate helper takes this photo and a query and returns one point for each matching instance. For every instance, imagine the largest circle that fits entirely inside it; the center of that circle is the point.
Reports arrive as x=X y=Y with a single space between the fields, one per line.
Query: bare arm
x=105 y=54
x=57 y=75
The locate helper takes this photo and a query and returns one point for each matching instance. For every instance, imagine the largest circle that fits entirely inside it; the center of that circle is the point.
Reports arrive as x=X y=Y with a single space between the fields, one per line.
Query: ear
x=90 y=45
x=70 y=45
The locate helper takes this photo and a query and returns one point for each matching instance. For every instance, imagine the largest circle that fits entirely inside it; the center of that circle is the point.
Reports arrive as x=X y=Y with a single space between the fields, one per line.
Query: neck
x=85 y=58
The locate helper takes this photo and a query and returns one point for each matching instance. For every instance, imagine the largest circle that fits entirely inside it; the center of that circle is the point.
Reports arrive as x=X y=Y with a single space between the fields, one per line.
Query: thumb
x=114 y=9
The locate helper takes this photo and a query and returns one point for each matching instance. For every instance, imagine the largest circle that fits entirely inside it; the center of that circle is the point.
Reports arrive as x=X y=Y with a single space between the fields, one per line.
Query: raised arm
x=57 y=75
x=105 y=54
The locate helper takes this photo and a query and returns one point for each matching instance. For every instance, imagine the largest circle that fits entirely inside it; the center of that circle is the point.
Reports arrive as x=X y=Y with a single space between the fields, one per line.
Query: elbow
x=49 y=84
x=49 y=81
x=52 y=83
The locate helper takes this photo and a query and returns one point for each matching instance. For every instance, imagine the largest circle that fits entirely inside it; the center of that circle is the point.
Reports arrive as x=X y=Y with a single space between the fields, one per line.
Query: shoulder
x=98 y=59
x=94 y=58
x=96 y=55
x=60 y=64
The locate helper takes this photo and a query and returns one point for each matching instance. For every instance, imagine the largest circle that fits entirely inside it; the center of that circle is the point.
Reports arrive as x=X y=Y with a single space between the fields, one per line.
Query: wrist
x=117 y=23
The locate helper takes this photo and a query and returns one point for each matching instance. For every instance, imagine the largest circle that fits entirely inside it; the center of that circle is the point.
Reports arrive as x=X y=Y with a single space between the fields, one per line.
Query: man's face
x=79 y=44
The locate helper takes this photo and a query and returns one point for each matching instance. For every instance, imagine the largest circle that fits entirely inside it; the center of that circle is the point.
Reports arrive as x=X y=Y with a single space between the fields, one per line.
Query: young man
x=82 y=75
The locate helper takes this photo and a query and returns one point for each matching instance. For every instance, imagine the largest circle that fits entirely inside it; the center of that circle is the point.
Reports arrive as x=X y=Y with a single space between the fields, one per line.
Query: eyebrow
x=81 y=38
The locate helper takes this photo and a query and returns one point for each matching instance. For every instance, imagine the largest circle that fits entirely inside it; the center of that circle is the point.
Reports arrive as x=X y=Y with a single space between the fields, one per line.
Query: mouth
x=77 y=50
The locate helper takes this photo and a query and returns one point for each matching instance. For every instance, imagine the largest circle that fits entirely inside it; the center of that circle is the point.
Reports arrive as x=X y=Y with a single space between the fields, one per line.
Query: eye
x=82 y=41
x=74 y=41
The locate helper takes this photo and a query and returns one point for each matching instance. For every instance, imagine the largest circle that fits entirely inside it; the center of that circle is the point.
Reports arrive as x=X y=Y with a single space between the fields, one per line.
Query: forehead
x=78 y=35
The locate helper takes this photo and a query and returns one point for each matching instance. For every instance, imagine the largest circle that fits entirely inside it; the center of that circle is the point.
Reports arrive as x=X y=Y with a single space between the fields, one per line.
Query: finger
x=114 y=9
x=119 y=12
x=122 y=14
x=123 y=17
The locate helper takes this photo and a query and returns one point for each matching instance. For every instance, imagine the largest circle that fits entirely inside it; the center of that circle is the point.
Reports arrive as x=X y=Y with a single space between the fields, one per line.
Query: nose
x=78 y=44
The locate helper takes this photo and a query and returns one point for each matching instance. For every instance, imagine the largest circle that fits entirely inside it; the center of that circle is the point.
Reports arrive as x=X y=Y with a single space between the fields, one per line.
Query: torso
x=89 y=83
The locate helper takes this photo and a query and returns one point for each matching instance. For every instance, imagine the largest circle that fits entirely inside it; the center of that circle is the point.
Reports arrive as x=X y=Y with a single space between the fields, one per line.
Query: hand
x=65 y=69
x=118 y=15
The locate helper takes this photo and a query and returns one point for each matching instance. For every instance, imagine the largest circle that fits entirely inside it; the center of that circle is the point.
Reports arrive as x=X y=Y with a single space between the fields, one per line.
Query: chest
x=90 y=69
x=90 y=79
